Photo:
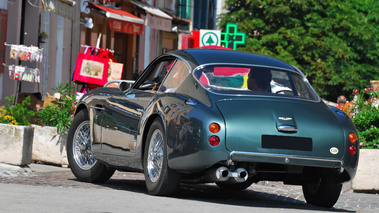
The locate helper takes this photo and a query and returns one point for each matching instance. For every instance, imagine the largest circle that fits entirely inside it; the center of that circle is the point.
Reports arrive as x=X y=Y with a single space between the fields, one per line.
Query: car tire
x=325 y=193
x=159 y=178
x=82 y=163
x=234 y=186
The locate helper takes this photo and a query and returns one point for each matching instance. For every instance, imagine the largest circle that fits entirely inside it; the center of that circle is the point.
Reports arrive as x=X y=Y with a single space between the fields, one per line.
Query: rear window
x=254 y=80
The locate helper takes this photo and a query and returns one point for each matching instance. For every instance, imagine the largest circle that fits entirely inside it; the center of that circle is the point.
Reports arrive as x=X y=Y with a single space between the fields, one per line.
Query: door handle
x=97 y=107
x=192 y=102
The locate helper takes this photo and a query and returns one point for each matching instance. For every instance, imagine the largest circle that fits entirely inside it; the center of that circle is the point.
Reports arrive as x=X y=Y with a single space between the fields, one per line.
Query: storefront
x=115 y=29
x=156 y=38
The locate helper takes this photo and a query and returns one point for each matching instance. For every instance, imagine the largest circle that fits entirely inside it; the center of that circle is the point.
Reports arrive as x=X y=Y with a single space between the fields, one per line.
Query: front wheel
x=324 y=193
x=82 y=163
x=159 y=178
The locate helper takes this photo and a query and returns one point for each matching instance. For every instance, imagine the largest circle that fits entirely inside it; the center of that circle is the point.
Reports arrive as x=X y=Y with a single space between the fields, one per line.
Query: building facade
x=25 y=21
x=135 y=31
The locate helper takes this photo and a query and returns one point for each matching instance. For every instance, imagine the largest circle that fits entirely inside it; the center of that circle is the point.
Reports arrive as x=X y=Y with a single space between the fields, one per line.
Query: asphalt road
x=41 y=188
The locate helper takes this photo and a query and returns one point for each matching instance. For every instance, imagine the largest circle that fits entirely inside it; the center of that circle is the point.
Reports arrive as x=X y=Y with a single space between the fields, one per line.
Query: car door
x=124 y=111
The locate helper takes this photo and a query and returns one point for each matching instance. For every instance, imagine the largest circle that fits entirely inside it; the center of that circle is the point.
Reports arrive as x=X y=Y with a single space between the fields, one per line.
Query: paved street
x=41 y=188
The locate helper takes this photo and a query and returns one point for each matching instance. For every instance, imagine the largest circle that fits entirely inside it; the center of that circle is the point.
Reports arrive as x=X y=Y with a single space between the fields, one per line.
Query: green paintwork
x=122 y=120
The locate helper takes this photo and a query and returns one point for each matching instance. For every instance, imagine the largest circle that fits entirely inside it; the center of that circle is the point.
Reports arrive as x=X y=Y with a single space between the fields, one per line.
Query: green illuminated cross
x=231 y=37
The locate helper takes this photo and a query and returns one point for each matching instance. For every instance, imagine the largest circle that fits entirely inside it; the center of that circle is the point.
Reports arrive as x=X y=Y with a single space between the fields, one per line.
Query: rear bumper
x=284 y=159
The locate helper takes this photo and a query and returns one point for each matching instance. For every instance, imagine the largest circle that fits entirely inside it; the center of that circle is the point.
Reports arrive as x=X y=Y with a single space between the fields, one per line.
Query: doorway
x=121 y=53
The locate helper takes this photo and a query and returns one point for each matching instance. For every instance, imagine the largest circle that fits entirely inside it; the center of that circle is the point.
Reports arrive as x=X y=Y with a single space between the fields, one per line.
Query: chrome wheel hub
x=155 y=155
x=81 y=148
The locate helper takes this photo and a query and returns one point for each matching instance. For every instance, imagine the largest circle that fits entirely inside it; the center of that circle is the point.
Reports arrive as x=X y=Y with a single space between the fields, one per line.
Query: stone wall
x=367 y=177
x=49 y=146
x=16 y=144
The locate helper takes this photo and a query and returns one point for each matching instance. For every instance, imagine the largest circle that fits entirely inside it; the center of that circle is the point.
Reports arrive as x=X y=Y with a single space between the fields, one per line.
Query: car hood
x=282 y=126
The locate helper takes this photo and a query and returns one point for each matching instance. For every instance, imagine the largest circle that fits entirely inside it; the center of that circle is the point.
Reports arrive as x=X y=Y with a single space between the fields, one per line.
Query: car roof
x=207 y=56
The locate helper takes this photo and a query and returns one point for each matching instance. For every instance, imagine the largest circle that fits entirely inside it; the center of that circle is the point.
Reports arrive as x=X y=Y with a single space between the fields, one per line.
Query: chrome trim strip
x=96 y=107
x=287 y=128
x=285 y=157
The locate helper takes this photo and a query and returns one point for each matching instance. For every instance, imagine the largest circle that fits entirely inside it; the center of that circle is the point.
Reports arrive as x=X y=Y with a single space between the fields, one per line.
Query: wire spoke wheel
x=159 y=178
x=82 y=147
x=155 y=156
x=82 y=162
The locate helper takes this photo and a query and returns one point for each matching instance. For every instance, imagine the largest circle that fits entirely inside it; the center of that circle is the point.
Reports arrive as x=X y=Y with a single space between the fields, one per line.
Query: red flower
x=367 y=89
x=355 y=91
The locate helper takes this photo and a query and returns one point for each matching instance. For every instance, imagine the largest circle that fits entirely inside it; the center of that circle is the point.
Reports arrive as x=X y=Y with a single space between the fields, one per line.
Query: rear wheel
x=82 y=163
x=159 y=178
x=324 y=193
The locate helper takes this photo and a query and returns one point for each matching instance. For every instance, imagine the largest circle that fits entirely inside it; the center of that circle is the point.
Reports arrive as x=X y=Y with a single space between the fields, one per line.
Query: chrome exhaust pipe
x=222 y=174
x=240 y=175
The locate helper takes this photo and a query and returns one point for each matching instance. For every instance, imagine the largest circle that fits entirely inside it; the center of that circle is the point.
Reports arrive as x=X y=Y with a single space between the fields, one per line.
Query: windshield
x=254 y=80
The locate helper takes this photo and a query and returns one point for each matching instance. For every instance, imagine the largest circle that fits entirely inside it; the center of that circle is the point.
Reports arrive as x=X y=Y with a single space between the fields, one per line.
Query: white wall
x=3 y=4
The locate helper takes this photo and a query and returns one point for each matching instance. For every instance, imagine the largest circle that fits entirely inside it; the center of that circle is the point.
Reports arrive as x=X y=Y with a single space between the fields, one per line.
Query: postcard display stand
x=22 y=73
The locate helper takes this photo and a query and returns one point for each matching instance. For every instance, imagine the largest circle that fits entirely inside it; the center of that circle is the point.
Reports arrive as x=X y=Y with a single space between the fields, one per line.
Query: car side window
x=176 y=76
x=156 y=76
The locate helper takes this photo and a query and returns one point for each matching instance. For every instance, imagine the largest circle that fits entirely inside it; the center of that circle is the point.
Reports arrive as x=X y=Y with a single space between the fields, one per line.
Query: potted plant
x=42 y=36
x=49 y=143
x=16 y=133
x=366 y=119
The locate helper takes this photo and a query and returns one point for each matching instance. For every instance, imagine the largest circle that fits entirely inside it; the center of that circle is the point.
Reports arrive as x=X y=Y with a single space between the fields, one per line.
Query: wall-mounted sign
x=210 y=38
x=231 y=38
x=200 y=38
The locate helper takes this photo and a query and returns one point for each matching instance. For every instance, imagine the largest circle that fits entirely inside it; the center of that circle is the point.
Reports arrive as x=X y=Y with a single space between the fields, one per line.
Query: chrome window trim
x=297 y=71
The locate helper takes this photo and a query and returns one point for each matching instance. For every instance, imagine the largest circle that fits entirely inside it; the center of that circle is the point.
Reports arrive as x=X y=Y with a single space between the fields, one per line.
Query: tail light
x=352 y=138
x=352 y=150
x=214 y=128
x=214 y=140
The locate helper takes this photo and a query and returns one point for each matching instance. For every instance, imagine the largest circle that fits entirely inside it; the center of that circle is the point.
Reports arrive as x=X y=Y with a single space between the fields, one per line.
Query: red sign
x=3 y=36
x=125 y=27
x=158 y=23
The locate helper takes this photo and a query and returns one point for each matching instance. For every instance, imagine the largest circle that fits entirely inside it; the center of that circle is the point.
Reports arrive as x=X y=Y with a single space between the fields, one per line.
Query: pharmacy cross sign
x=231 y=37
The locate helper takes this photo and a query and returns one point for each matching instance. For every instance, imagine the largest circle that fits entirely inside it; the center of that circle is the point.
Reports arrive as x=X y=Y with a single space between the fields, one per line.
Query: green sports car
x=214 y=115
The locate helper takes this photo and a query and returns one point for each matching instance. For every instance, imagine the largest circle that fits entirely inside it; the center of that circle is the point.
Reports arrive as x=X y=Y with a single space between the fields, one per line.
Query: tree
x=334 y=42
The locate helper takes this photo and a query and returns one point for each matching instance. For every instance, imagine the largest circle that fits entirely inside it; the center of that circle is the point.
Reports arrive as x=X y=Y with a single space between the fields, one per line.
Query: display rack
x=23 y=73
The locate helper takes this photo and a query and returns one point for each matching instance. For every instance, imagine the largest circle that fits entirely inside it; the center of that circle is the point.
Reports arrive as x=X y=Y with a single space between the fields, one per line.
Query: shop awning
x=122 y=21
x=155 y=18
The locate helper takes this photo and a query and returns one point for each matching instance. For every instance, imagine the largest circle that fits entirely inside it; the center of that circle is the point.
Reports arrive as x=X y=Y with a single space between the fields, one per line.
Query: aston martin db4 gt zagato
x=215 y=116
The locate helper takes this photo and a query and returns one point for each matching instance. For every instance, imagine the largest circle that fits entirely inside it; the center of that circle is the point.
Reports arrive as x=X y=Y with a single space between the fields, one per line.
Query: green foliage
x=366 y=118
x=334 y=42
x=59 y=114
x=20 y=112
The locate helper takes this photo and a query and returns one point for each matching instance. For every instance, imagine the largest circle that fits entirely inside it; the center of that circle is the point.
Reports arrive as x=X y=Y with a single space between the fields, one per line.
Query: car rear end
x=281 y=131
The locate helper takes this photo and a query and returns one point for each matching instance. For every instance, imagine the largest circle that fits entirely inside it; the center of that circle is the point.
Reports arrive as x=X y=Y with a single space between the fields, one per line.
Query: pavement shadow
x=213 y=194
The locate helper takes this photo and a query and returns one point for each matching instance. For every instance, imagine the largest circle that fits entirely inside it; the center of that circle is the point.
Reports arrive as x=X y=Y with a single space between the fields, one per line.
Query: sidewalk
x=9 y=171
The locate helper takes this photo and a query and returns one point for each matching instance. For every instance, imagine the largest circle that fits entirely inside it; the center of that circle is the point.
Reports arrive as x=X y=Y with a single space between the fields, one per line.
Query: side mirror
x=124 y=85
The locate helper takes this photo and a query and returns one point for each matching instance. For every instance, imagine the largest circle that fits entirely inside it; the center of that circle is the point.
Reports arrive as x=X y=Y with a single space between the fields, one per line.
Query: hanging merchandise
x=90 y=68
x=11 y=69
x=115 y=71
x=24 y=53
x=21 y=73
x=96 y=66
